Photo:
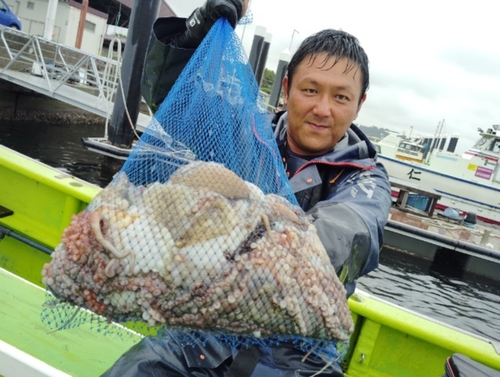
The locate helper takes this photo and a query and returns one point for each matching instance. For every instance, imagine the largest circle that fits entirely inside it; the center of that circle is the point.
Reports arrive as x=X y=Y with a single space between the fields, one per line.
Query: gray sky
x=429 y=60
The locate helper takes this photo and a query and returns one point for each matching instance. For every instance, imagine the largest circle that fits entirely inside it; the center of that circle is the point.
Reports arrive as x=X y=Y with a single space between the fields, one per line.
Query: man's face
x=322 y=102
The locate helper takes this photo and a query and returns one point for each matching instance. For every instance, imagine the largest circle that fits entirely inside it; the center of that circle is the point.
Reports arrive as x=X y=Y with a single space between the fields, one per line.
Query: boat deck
x=480 y=235
x=83 y=351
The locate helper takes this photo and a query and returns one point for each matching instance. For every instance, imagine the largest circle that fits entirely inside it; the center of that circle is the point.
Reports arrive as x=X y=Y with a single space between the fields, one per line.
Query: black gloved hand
x=202 y=19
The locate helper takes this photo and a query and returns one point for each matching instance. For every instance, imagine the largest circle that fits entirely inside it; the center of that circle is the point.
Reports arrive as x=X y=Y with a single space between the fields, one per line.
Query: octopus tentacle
x=267 y=225
x=95 y=223
x=132 y=263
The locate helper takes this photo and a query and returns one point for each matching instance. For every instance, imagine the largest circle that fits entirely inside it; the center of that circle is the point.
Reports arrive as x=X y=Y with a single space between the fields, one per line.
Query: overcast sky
x=429 y=60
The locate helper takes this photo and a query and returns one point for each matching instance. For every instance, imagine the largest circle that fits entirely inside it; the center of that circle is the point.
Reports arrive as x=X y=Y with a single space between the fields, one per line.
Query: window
x=90 y=26
x=496 y=146
x=31 y=5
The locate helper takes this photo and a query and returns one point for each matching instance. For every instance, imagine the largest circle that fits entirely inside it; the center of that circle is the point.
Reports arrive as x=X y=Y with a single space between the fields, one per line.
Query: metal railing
x=59 y=65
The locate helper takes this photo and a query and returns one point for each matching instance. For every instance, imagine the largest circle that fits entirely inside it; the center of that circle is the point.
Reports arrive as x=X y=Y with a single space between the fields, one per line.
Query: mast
x=435 y=141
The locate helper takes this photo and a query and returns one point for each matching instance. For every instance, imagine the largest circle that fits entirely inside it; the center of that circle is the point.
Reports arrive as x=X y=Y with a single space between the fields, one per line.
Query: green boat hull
x=388 y=340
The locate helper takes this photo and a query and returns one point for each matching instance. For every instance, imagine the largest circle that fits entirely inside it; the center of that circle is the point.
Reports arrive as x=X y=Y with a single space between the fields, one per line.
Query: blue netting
x=173 y=338
x=200 y=229
x=215 y=113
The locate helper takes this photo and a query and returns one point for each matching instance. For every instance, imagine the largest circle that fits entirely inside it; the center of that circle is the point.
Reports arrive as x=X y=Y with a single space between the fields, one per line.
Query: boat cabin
x=401 y=147
x=489 y=142
x=410 y=147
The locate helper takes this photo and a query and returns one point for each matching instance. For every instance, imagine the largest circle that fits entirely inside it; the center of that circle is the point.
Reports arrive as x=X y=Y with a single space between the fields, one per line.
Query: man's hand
x=202 y=19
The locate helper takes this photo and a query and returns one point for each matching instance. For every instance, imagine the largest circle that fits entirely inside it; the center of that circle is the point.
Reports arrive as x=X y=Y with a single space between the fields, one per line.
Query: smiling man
x=332 y=169
x=331 y=164
x=323 y=99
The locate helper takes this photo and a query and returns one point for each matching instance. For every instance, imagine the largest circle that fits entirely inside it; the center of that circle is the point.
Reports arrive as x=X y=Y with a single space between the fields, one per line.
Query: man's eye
x=342 y=97
x=310 y=90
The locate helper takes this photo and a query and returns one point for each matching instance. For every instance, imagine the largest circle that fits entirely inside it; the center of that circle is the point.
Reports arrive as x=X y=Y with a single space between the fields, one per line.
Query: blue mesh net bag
x=200 y=229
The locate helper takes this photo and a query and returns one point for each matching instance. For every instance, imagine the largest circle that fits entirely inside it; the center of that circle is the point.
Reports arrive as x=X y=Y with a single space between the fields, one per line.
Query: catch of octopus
x=203 y=250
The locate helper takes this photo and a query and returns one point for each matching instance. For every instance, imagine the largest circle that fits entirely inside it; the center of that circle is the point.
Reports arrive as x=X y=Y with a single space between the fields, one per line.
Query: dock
x=467 y=249
x=417 y=228
x=65 y=73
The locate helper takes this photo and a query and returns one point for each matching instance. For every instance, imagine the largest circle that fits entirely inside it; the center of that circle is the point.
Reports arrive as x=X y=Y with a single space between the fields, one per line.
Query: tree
x=267 y=81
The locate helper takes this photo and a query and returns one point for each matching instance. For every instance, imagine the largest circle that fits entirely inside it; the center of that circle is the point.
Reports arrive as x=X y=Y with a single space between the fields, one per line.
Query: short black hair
x=335 y=43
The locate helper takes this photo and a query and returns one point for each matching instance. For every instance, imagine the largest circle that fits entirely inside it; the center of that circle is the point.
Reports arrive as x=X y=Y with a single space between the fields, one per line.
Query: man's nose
x=323 y=106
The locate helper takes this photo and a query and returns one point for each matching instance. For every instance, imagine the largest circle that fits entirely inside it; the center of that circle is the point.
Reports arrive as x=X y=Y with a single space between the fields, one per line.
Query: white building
x=33 y=14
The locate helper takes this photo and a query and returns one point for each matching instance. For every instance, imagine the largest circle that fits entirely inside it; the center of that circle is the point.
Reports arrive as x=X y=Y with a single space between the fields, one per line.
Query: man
x=331 y=166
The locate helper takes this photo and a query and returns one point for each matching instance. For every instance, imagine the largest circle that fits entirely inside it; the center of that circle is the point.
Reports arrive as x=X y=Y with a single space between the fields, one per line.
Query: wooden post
x=81 y=25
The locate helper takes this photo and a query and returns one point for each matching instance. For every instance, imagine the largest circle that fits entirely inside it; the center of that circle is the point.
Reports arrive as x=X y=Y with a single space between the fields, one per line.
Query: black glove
x=202 y=19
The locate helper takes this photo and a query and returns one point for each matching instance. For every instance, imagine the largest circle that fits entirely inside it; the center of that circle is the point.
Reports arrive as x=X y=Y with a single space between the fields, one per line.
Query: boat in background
x=469 y=182
x=37 y=204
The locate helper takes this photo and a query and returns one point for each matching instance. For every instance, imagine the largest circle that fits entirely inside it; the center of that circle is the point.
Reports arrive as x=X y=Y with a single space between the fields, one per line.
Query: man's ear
x=285 y=90
x=360 y=105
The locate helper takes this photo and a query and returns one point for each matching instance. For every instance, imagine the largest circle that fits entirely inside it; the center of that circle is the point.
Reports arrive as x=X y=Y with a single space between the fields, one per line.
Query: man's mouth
x=317 y=126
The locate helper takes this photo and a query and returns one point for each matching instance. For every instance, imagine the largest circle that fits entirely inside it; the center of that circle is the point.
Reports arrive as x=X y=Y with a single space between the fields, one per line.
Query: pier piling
x=128 y=97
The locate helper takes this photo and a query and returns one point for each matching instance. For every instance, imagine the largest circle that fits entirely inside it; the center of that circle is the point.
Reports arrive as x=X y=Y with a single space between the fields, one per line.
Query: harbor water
x=469 y=303
x=60 y=146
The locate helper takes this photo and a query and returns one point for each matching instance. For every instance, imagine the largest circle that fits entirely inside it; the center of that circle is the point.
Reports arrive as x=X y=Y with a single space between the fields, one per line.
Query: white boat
x=469 y=182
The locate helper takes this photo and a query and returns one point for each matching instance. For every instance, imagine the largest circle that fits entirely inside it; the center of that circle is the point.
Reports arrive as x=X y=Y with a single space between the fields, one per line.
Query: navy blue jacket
x=347 y=195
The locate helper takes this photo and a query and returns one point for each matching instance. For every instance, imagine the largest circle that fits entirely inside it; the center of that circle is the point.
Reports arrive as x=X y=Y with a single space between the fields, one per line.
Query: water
x=60 y=146
x=468 y=303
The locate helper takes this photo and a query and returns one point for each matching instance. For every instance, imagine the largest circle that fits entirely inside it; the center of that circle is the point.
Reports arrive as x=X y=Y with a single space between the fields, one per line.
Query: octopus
x=204 y=250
